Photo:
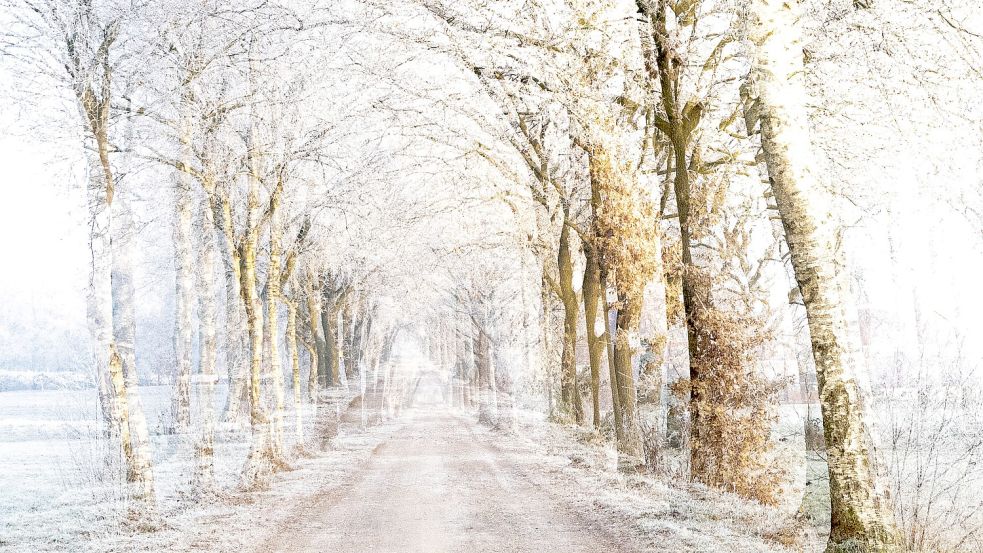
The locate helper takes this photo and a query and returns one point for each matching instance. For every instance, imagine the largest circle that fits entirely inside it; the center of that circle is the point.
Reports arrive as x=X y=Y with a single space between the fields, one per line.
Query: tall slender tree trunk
x=329 y=319
x=89 y=45
x=273 y=331
x=108 y=361
x=606 y=341
x=329 y=322
x=294 y=355
x=630 y=253
x=348 y=338
x=677 y=122
x=183 y=304
x=862 y=518
x=124 y=332
x=259 y=465
x=482 y=354
x=236 y=333
x=546 y=322
x=207 y=314
x=318 y=355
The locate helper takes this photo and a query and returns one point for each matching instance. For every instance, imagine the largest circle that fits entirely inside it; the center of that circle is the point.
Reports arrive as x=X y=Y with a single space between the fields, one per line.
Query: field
x=55 y=475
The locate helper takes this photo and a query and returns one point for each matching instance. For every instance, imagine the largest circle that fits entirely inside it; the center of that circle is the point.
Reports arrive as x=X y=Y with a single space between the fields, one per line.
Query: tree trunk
x=628 y=318
x=862 y=519
x=273 y=332
x=183 y=304
x=545 y=297
x=677 y=122
x=295 y=368
x=592 y=295
x=348 y=324
x=108 y=362
x=602 y=280
x=319 y=355
x=124 y=332
x=569 y=389
x=236 y=339
x=482 y=354
x=207 y=313
x=630 y=253
x=259 y=465
x=329 y=320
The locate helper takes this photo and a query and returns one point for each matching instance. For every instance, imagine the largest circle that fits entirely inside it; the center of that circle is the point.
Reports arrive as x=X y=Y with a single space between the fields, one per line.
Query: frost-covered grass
x=664 y=514
x=59 y=490
x=932 y=449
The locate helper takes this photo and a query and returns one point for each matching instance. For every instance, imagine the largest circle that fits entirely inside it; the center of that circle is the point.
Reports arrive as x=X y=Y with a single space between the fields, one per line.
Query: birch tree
x=861 y=508
x=80 y=46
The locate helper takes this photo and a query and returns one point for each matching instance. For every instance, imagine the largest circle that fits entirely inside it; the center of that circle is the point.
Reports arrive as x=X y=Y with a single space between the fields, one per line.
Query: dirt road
x=435 y=487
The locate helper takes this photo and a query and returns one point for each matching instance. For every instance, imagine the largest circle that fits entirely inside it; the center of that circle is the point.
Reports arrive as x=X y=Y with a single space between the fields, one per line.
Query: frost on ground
x=239 y=520
x=568 y=476
x=55 y=494
x=582 y=469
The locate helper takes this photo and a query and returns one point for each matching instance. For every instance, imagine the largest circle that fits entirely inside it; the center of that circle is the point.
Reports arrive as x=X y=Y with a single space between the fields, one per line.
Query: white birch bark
x=294 y=356
x=207 y=314
x=314 y=321
x=99 y=300
x=124 y=331
x=183 y=289
x=273 y=336
x=861 y=508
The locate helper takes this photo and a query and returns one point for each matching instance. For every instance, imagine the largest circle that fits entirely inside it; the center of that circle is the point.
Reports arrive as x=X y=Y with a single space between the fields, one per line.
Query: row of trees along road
x=546 y=175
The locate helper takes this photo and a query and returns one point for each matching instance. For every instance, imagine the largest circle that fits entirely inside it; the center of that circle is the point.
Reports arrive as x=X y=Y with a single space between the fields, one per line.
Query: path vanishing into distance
x=436 y=486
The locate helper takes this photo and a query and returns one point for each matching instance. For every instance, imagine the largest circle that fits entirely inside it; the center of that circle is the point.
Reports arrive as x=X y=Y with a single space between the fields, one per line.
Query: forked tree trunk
x=862 y=518
x=89 y=44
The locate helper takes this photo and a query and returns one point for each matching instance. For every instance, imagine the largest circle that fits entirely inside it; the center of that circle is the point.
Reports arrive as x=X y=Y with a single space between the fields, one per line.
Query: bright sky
x=41 y=216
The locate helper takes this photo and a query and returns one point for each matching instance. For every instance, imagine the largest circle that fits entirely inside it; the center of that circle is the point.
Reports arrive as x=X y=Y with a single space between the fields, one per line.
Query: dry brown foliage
x=627 y=226
x=732 y=444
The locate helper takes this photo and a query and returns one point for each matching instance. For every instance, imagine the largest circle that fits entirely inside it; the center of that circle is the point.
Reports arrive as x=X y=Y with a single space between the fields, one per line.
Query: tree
x=861 y=509
x=84 y=47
